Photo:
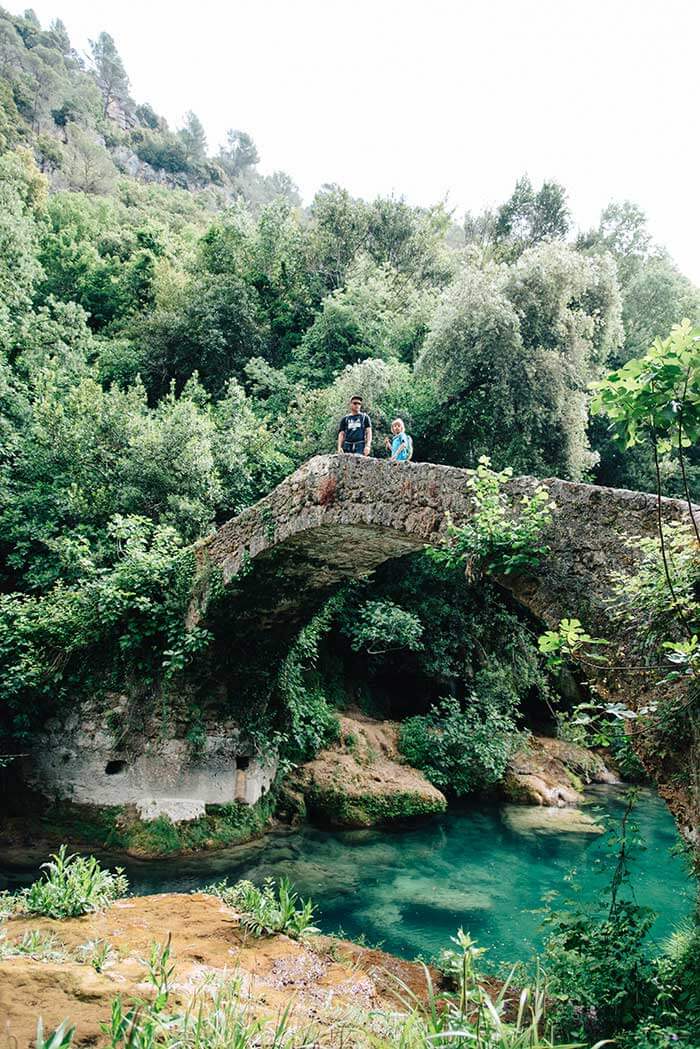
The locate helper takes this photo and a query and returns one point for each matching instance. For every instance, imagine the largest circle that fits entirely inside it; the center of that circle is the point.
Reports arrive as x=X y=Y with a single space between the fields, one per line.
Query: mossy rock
x=222 y=827
x=339 y=809
x=118 y=828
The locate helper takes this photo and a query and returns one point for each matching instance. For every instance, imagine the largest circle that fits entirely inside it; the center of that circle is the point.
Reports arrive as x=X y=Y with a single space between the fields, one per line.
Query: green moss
x=366 y=810
x=575 y=781
x=114 y=827
x=222 y=826
x=83 y=825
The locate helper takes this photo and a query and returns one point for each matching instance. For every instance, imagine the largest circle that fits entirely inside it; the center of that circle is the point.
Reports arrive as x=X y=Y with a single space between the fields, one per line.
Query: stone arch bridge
x=265 y=572
x=338 y=517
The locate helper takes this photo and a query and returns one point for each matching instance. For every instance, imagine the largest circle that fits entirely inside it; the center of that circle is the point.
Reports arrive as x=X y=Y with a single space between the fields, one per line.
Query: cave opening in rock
x=112 y=768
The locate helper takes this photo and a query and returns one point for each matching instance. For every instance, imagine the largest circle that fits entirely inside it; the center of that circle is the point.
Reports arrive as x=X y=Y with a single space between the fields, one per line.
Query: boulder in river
x=361 y=781
x=553 y=772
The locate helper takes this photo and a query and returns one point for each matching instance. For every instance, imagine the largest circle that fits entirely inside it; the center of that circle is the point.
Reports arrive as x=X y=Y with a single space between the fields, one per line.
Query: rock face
x=93 y=758
x=360 y=781
x=177 y=810
x=552 y=772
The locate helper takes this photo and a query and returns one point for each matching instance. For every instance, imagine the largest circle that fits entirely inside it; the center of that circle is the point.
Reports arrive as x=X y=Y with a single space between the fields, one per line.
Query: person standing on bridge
x=401 y=445
x=355 y=430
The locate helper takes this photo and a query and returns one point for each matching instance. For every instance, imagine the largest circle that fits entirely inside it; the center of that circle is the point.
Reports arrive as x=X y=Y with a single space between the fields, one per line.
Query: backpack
x=409 y=447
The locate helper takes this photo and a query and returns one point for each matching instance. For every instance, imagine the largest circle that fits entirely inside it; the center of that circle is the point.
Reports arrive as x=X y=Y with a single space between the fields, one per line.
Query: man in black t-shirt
x=355 y=430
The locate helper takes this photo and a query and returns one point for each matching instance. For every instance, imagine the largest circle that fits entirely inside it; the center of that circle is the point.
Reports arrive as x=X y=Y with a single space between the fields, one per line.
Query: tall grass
x=71 y=886
x=471 y=1018
x=268 y=910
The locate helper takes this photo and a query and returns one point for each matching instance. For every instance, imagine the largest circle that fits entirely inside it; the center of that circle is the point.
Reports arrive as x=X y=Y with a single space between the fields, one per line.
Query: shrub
x=461 y=750
x=268 y=910
x=600 y=971
x=380 y=627
x=496 y=539
x=71 y=886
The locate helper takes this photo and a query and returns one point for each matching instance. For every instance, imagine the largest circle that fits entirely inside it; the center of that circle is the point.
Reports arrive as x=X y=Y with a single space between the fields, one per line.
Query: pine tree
x=109 y=71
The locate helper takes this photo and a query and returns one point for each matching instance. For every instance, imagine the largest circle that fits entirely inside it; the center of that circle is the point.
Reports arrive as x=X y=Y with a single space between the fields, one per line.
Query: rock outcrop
x=552 y=772
x=105 y=754
x=361 y=781
x=322 y=982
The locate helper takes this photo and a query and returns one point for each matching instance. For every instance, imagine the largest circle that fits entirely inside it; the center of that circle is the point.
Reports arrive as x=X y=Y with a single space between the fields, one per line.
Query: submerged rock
x=548 y=820
x=552 y=772
x=361 y=781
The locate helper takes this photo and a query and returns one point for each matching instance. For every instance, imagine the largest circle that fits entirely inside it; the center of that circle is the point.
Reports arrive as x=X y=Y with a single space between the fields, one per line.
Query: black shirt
x=354 y=427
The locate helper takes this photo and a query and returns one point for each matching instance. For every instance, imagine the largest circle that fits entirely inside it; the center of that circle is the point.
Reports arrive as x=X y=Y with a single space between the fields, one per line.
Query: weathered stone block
x=177 y=810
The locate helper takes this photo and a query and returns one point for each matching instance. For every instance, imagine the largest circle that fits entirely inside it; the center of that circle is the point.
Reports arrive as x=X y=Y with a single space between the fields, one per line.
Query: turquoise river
x=486 y=869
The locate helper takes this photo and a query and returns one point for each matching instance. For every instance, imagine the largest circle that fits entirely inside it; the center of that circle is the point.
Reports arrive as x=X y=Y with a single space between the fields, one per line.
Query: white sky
x=434 y=98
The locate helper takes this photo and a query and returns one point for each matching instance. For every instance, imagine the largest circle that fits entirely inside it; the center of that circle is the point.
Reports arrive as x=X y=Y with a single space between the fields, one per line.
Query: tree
x=657 y=296
x=239 y=154
x=88 y=166
x=530 y=217
x=655 y=398
x=623 y=232
x=147 y=115
x=22 y=190
x=109 y=71
x=340 y=230
x=377 y=314
x=59 y=37
x=511 y=350
x=194 y=139
x=283 y=185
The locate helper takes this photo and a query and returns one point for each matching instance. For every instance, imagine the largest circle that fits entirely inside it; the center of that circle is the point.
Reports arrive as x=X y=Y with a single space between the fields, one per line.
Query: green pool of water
x=485 y=869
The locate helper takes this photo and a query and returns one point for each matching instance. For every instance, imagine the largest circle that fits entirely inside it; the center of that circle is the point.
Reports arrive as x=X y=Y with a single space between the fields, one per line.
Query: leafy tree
x=239 y=154
x=161 y=149
x=21 y=192
x=340 y=230
x=88 y=454
x=88 y=167
x=12 y=129
x=212 y=326
x=55 y=647
x=623 y=232
x=147 y=115
x=283 y=185
x=59 y=37
x=91 y=256
x=657 y=296
x=377 y=314
x=109 y=72
x=389 y=389
x=530 y=217
x=511 y=350
x=655 y=399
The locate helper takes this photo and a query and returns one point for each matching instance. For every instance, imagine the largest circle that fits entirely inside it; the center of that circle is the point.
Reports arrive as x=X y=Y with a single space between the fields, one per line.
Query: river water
x=484 y=868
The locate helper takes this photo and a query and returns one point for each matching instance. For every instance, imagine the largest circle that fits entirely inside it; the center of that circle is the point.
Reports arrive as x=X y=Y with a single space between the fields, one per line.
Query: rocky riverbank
x=327 y=984
x=360 y=781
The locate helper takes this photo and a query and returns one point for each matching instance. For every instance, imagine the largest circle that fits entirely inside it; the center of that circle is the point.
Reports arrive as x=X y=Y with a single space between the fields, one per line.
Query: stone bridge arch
x=262 y=575
x=340 y=517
